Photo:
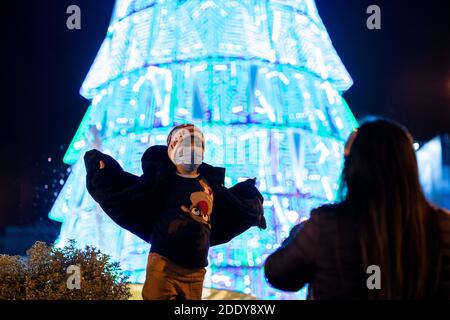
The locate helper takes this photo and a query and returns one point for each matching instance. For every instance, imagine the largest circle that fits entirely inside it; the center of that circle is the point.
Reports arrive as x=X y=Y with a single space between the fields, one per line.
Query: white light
x=416 y=146
x=245 y=136
x=237 y=109
x=79 y=144
x=200 y=67
x=314 y=177
x=324 y=152
x=168 y=81
x=331 y=93
x=320 y=114
x=283 y=78
x=321 y=64
x=214 y=138
x=327 y=188
x=267 y=107
x=97 y=99
x=165 y=112
x=183 y=111
x=151 y=70
x=276 y=26
x=303 y=219
x=185 y=50
x=142 y=116
x=260 y=134
x=233 y=69
x=124 y=82
x=133 y=102
x=301 y=19
x=138 y=84
x=271 y=74
x=339 y=123
x=292 y=216
x=220 y=67
x=195 y=14
x=207 y=4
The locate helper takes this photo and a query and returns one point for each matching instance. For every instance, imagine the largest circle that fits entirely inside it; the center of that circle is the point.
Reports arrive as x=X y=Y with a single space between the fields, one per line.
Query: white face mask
x=186 y=149
x=188 y=157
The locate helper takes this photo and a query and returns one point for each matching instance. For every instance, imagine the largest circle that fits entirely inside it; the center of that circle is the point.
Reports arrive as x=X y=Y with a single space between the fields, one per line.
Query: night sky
x=401 y=71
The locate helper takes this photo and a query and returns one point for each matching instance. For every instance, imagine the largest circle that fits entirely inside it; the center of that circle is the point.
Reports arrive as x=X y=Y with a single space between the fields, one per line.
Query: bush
x=43 y=275
x=12 y=278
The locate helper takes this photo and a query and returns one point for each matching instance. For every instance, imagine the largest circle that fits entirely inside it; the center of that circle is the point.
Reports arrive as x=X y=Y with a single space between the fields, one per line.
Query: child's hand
x=102 y=164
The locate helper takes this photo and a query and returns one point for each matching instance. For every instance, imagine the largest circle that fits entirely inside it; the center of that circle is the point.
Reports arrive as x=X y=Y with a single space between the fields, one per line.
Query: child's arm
x=235 y=210
x=123 y=196
x=105 y=176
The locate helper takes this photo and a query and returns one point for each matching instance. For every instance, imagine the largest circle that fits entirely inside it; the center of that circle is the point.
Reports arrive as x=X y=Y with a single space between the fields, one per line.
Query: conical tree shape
x=262 y=80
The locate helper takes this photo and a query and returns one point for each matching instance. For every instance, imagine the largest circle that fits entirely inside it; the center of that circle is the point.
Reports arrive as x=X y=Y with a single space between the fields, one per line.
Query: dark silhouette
x=383 y=219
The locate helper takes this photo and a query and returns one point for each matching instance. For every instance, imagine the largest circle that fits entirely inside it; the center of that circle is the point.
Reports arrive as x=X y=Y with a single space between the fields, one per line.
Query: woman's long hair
x=380 y=181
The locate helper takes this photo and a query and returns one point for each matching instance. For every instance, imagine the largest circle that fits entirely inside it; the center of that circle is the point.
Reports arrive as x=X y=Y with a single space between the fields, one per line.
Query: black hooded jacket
x=132 y=201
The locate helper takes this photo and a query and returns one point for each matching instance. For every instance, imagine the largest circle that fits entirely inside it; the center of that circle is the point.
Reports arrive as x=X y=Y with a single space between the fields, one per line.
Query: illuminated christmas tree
x=262 y=80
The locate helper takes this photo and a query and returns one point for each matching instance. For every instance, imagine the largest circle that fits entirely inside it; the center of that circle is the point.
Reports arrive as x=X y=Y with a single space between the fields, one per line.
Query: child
x=179 y=205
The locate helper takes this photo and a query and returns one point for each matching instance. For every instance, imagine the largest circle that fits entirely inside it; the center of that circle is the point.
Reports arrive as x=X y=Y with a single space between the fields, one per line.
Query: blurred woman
x=383 y=221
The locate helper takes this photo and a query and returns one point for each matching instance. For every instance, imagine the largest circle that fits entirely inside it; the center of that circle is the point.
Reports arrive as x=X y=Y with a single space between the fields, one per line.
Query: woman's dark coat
x=324 y=252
